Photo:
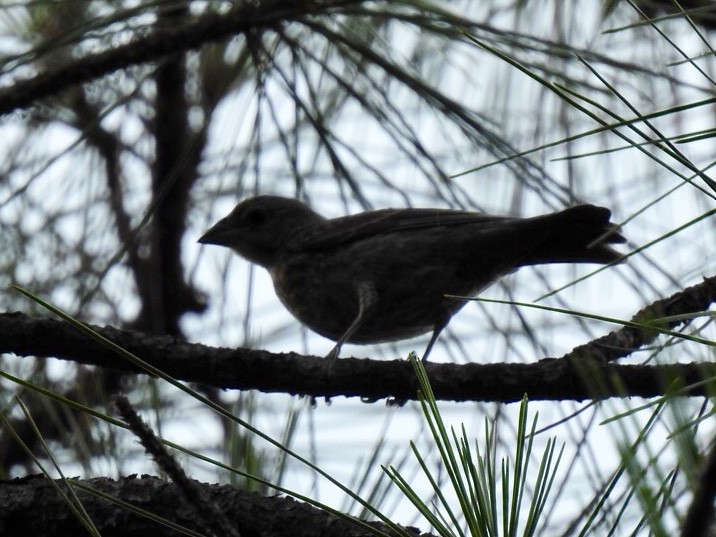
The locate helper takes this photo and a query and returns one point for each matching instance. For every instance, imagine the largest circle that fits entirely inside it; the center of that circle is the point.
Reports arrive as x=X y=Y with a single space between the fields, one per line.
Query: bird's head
x=258 y=228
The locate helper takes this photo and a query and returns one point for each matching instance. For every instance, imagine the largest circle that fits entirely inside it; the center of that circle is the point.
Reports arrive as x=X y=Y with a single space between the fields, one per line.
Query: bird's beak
x=218 y=234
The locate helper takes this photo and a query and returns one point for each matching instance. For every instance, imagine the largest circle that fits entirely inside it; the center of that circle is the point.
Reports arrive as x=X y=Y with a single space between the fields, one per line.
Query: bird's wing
x=356 y=227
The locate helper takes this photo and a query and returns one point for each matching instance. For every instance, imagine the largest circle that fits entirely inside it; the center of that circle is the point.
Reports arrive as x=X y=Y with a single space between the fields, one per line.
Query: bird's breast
x=318 y=290
x=407 y=298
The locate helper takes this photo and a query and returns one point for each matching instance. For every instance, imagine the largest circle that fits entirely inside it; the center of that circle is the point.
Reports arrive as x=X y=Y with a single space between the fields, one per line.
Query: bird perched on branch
x=384 y=275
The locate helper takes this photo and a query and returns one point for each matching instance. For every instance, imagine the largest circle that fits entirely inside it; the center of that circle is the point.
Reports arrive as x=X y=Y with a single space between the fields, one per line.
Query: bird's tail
x=579 y=234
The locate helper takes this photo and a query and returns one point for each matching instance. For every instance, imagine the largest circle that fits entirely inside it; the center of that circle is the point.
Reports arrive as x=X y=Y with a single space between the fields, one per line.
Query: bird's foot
x=333 y=354
x=395 y=402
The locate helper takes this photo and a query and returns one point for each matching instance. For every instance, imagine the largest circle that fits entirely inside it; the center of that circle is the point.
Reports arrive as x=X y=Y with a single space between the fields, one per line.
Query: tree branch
x=585 y=373
x=622 y=342
x=212 y=27
x=251 y=513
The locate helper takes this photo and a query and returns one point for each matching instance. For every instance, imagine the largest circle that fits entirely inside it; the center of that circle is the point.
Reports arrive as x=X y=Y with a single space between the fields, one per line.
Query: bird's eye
x=257 y=216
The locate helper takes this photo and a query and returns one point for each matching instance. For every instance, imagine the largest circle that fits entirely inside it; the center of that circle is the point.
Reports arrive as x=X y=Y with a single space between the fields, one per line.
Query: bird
x=392 y=274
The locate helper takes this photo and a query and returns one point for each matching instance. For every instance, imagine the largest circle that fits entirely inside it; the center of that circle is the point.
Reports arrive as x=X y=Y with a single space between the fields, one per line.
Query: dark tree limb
x=164 y=294
x=586 y=373
x=251 y=513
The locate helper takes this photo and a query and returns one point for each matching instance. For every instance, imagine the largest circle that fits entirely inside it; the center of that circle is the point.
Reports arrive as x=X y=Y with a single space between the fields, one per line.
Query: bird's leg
x=440 y=324
x=437 y=329
x=367 y=298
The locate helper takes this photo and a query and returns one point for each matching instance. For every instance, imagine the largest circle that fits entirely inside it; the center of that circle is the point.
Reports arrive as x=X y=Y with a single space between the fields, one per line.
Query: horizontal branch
x=251 y=513
x=586 y=373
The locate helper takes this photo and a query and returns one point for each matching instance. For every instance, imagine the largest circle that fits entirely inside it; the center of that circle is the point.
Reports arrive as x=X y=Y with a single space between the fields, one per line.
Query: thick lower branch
x=251 y=513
